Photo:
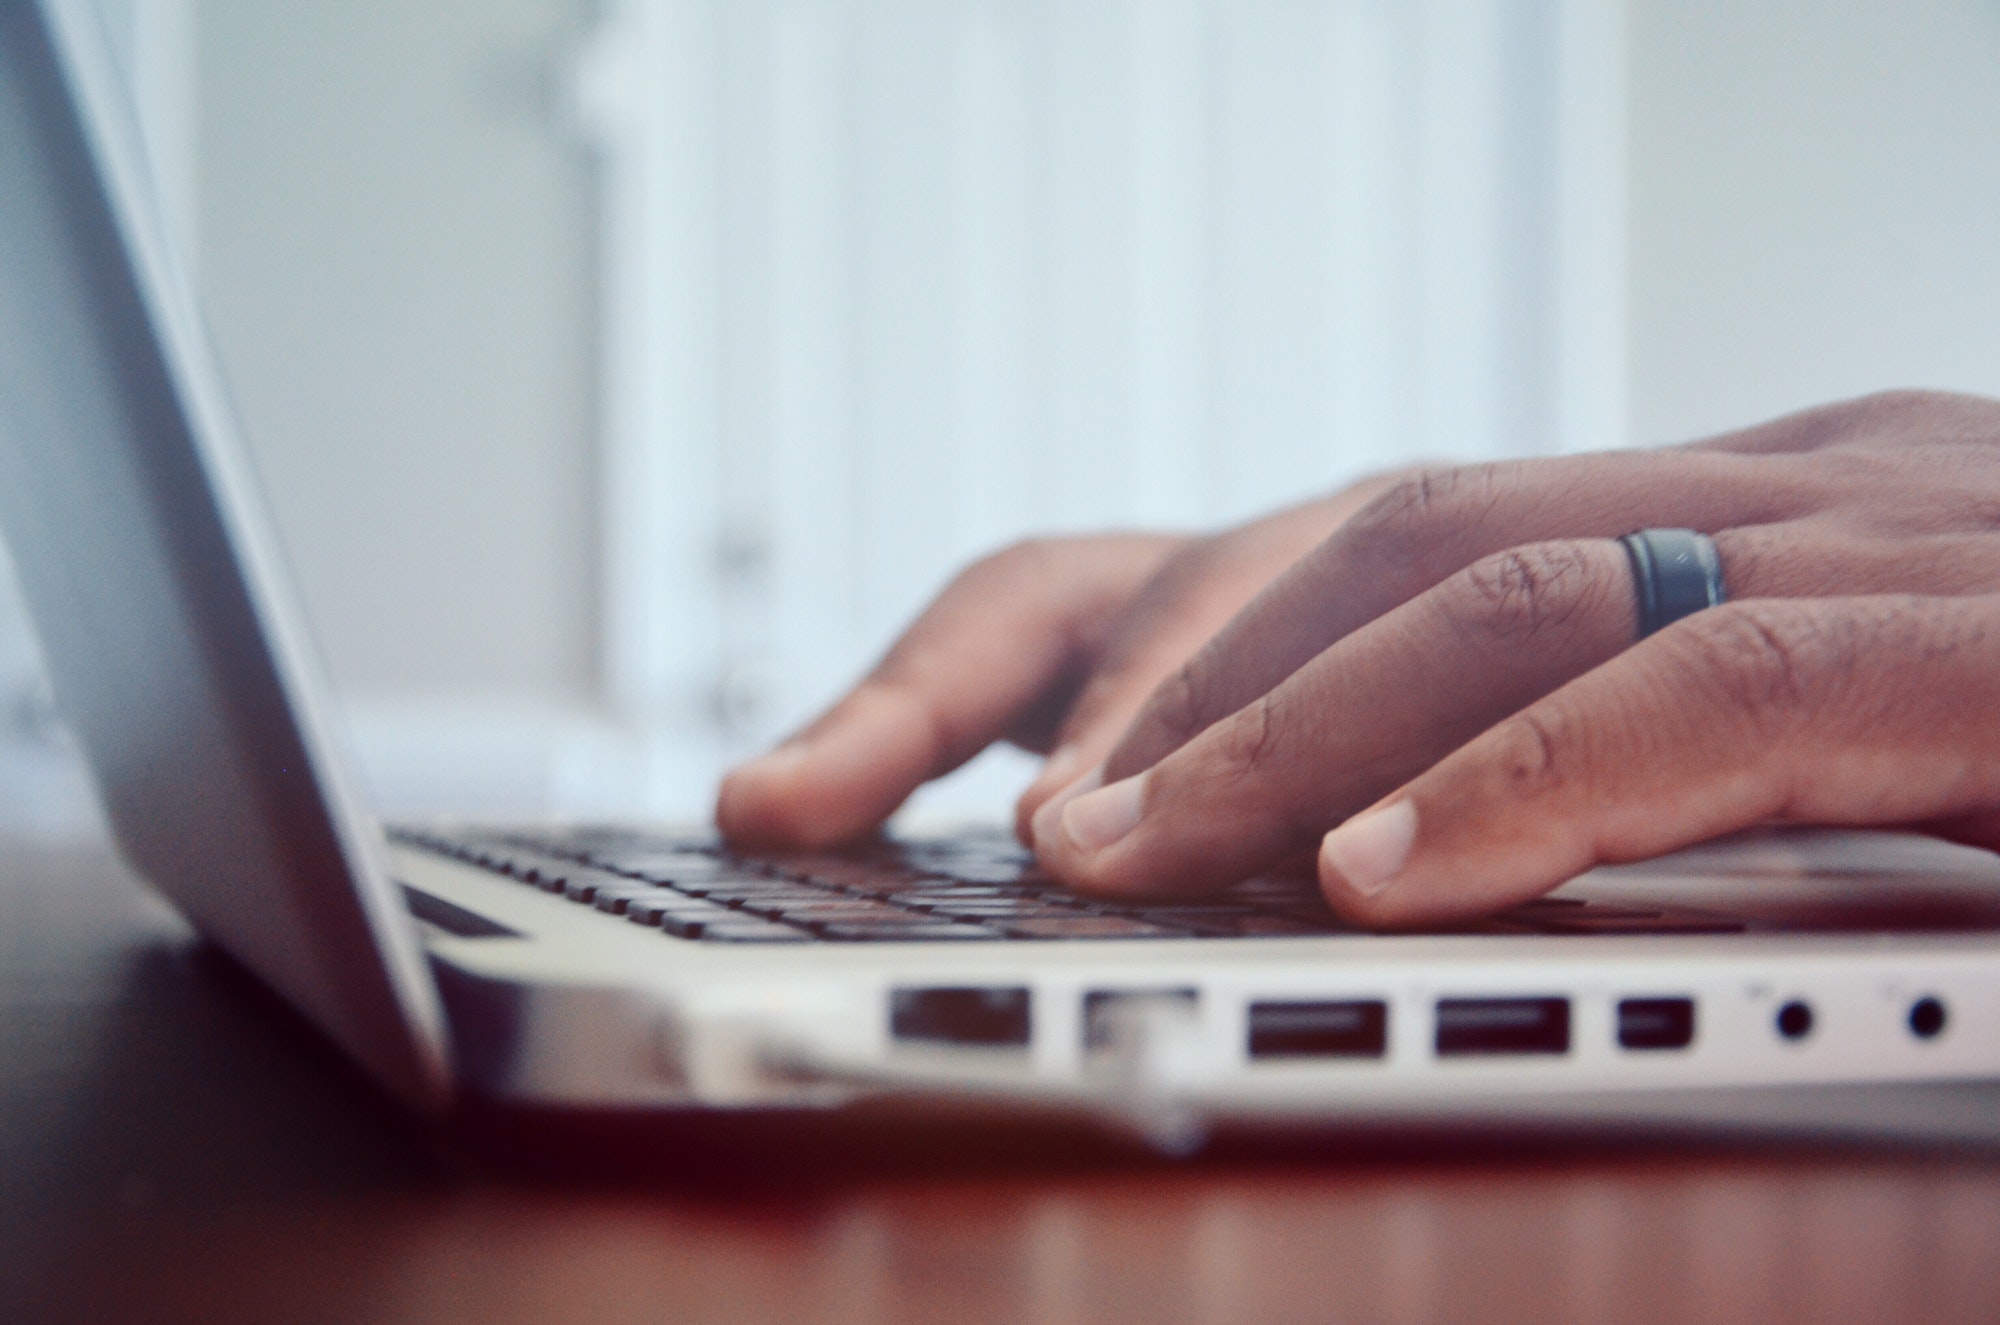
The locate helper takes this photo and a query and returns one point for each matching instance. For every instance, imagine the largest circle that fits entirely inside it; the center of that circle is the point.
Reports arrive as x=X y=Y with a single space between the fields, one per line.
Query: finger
x=977 y=662
x=1848 y=711
x=1823 y=557
x=1404 y=691
x=1431 y=526
x=1195 y=590
x=1366 y=715
x=1103 y=709
x=1803 y=430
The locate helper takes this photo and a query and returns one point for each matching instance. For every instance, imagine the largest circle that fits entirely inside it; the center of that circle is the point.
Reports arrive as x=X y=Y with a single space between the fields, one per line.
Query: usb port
x=1655 y=1023
x=991 y=1017
x=1101 y=1008
x=1353 y=1029
x=1470 y=1026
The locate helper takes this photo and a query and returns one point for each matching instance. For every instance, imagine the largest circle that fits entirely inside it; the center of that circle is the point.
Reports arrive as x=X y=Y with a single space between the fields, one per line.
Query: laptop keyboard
x=971 y=887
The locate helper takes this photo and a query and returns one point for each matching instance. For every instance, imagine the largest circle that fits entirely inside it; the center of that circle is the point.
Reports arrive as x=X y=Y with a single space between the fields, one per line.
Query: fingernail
x=1369 y=850
x=1095 y=821
x=1049 y=817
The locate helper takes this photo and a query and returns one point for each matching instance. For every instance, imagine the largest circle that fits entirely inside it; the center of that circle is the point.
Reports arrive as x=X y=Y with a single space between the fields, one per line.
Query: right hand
x=1053 y=644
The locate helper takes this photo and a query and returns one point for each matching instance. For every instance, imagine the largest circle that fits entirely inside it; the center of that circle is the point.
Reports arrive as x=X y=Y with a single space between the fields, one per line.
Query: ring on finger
x=1676 y=573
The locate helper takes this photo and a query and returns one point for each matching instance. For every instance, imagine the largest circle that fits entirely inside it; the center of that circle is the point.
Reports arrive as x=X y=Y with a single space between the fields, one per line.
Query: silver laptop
x=603 y=966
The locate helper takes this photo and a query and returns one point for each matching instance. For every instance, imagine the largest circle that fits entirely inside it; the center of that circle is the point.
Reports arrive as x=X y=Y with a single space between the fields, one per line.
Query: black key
x=888 y=915
x=845 y=872
x=538 y=870
x=680 y=868
x=523 y=845
x=856 y=908
x=722 y=893
x=618 y=899
x=758 y=888
x=604 y=836
x=656 y=910
x=935 y=890
x=971 y=871
x=583 y=884
x=778 y=901
x=932 y=896
x=728 y=925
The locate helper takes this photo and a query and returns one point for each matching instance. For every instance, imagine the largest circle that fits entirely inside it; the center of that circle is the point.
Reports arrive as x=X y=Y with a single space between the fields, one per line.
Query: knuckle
x=1541 y=749
x=1187 y=564
x=1176 y=711
x=1760 y=559
x=1895 y=411
x=1903 y=398
x=1417 y=509
x=1025 y=560
x=930 y=724
x=1525 y=592
x=1197 y=694
x=1870 y=664
x=1249 y=740
x=1769 y=656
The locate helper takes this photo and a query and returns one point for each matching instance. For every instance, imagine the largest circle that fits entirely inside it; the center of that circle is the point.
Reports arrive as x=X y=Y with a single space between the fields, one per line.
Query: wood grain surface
x=173 y=1147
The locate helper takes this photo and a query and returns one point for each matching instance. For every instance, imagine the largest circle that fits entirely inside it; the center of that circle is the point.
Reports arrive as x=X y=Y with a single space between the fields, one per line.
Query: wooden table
x=174 y=1147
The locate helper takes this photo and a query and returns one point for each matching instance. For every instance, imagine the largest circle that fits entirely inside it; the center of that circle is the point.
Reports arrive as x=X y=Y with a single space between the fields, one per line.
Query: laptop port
x=1795 y=1020
x=1474 y=1026
x=986 y=1017
x=1351 y=1029
x=1655 y=1023
x=1927 y=1018
x=1102 y=1006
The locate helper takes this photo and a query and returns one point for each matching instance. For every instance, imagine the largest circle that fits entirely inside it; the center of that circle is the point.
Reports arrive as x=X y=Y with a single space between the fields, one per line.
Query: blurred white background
x=621 y=376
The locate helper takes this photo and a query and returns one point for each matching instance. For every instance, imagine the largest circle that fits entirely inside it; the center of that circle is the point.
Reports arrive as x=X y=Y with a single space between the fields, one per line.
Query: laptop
x=590 y=966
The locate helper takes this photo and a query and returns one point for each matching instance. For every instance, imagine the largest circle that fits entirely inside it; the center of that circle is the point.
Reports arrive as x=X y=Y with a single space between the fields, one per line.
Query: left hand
x=1052 y=644
x=1450 y=683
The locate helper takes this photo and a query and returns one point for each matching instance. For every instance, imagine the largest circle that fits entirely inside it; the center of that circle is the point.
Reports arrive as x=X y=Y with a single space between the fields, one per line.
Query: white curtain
x=888 y=282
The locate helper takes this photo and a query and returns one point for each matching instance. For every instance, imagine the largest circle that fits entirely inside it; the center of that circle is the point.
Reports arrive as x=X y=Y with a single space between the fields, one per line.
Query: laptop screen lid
x=154 y=582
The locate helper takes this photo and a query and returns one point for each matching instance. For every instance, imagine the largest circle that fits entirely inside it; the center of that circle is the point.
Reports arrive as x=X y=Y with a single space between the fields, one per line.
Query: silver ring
x=1677 y=574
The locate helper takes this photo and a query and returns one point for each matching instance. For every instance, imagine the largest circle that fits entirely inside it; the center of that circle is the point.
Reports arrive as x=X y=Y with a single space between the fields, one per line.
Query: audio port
x=1795 y=1020
x=1927 y=1018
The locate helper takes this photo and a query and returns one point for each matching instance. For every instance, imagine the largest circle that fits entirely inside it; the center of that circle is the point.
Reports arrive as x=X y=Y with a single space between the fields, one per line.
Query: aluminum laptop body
x=549 y=966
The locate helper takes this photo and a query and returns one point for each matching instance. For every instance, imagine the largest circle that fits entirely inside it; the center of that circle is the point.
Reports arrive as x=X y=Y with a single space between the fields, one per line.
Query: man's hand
x=1052 y=644
x=1449 y=682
